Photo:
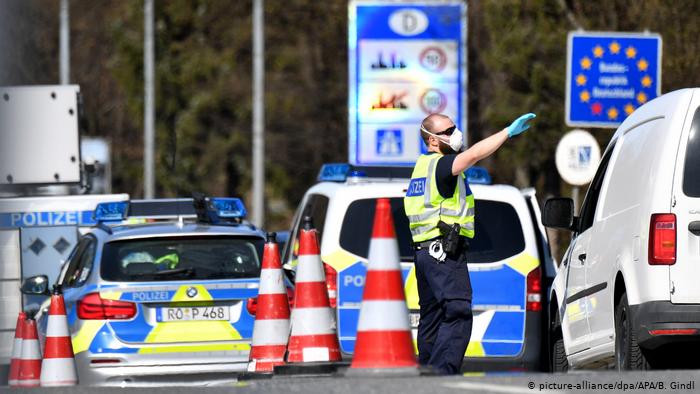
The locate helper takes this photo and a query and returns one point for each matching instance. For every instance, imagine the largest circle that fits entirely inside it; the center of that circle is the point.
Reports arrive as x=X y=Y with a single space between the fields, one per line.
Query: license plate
x=207 y=313
x=414 y=318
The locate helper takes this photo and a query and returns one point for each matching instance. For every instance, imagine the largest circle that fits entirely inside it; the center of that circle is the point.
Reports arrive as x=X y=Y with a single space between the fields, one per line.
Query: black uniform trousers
x=446 y=317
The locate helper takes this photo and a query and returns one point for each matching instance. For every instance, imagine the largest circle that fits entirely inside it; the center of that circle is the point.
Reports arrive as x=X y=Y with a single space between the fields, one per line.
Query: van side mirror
x=36 y=285
x=559 y=213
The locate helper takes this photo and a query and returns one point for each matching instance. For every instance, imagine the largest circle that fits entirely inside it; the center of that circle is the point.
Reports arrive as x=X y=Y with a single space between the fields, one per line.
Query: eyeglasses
x=448 y=131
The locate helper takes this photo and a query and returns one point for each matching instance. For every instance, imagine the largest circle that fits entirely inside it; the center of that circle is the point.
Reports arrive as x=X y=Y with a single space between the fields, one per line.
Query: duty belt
x=425 y=244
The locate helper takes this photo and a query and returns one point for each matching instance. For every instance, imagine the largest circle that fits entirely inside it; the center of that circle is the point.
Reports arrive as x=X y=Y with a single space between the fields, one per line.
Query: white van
x=627 y=291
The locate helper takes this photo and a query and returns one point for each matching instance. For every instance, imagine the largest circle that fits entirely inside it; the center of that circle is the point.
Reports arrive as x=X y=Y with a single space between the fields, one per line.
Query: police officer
x=440 y=210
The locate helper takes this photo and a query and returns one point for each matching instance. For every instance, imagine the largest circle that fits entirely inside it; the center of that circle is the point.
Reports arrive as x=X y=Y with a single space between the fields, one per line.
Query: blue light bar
x=478 y=175
x=227 y=208
x=335 y=172
x=111 y=211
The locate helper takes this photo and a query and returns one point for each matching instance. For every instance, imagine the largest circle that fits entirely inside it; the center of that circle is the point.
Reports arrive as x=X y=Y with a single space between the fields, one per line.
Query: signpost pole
x=64 y=44
x=149 y=99
x=258 y=115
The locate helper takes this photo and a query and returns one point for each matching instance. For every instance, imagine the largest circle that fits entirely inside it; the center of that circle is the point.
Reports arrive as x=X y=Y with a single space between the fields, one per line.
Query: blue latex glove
x=520 y=125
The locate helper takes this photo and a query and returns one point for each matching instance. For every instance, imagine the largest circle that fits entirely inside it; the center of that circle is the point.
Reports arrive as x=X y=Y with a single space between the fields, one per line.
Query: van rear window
x=691 y=180
x=499 y=232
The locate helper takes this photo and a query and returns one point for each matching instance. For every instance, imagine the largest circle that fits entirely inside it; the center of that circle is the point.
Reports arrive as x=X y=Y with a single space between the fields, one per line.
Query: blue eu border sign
x=609 y=75
x=407 y=59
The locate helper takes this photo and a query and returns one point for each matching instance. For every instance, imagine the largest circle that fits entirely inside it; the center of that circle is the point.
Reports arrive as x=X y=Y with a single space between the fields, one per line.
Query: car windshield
x=190 y=258
x=499 y=233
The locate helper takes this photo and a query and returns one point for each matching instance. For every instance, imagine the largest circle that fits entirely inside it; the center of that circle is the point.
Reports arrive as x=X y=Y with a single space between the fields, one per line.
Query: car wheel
x=559 y=361
x=557 y=355
x=628 y=355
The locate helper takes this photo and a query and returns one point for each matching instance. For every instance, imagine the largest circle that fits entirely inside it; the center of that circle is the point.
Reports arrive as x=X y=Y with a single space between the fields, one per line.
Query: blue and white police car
x=509 y=259
x=152 y=300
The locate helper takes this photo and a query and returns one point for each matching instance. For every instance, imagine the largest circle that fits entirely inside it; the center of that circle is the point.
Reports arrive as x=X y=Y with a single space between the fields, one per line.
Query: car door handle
x=694 y=227
x=582 y=258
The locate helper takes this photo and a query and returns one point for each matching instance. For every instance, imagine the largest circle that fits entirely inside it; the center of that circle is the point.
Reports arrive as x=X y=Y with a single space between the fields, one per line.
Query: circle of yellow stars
x=630 y=53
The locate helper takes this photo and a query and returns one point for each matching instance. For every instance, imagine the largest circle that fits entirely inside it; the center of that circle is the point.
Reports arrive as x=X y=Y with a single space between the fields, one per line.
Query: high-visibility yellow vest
x=425 y=207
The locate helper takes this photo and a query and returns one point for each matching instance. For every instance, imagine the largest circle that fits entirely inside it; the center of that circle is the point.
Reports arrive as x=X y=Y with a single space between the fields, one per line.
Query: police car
x=153 y=300
x=508 y=259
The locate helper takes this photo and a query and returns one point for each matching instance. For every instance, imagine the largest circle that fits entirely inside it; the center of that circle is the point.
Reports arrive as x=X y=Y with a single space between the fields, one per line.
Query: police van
x=161 y=291
x=509 y=258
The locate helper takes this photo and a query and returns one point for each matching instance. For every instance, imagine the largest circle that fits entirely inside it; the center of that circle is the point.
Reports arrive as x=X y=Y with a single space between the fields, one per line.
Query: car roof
x=149 y=230
x=395 y=187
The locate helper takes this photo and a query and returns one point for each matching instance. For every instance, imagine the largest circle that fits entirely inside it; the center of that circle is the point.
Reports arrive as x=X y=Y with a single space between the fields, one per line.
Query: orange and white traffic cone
x=30 y=363
x=58 y=367
x=384 y=342
x=313 y=337
x=271 y=328
x=16 y=350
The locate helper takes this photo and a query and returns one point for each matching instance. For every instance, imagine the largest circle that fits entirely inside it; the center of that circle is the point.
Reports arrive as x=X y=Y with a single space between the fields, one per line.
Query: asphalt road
x=676 y=381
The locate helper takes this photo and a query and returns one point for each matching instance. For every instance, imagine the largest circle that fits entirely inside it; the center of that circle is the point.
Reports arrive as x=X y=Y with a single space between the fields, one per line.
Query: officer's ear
x=433 y=140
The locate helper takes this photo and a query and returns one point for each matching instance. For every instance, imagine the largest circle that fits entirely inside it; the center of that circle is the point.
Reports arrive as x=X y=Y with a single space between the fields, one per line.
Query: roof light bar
x=111 y=211
x=478 y=175
x=334 y=172
x=340 y=172
x=229 y=208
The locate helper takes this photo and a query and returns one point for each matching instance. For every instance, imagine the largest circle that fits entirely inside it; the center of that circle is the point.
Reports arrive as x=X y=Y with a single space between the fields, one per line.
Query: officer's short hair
x=428 y=123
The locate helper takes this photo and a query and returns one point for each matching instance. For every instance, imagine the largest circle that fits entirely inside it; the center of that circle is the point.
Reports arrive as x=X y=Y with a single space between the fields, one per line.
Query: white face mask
x=456 y=140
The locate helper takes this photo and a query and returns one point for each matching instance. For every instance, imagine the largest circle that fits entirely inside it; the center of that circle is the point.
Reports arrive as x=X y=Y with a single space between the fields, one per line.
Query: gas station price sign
x=406 y=60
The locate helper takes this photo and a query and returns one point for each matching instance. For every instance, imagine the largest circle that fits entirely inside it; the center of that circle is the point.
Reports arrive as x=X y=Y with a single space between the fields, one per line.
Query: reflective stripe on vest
x=425 y=207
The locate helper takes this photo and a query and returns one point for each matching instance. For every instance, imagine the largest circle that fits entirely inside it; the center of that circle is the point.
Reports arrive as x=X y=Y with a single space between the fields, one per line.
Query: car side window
x=591 y=201
x=81 y=263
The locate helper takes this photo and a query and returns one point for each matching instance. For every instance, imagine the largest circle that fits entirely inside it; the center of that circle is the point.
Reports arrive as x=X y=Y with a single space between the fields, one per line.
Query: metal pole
x=574 y=196
x=64 y=44
x=258 y=115
x=149 y=106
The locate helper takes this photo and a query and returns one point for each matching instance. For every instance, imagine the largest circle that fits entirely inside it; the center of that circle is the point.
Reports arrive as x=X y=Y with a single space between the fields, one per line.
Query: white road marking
x=496 y=388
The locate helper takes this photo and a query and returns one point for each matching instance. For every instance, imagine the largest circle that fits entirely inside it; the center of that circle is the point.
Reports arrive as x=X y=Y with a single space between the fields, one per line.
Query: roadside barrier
x=30 y=363
x=384 y=343
x=16 y=350
x=58 y=366
x=271 y=327
x=313 y=336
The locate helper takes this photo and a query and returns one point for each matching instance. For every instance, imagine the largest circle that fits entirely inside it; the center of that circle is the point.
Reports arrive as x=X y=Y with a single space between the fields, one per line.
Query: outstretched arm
x=487 y=146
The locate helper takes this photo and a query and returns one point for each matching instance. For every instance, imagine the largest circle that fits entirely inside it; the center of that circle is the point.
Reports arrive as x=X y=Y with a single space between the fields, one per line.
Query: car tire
x=628 y=354
x=559 y=360
x=557 y=354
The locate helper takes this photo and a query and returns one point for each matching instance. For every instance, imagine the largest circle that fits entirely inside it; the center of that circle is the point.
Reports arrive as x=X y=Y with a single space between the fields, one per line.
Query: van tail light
x=331 y=284
x=534 y=290
x=94 y=307
x=662 y=239
x=252 y=305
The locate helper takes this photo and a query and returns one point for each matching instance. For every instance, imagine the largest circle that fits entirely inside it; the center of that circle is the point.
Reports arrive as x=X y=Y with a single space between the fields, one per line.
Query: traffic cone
x=271 y=327
x=384 y=342
x=313 y=336
x=58 y=367
x=16 y=350
x=30 y=363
